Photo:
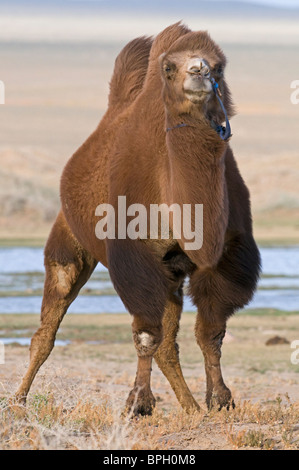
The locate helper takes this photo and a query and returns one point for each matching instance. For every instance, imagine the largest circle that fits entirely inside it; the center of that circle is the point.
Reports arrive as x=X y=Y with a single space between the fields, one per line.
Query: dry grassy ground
x=77 y=398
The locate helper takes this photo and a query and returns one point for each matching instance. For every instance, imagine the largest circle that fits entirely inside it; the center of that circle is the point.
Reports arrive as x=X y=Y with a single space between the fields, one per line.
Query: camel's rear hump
x=129 y=72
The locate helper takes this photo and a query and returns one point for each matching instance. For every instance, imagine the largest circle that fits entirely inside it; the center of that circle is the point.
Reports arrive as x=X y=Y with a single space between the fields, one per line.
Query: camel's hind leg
x=167 y=356
x=68 y=267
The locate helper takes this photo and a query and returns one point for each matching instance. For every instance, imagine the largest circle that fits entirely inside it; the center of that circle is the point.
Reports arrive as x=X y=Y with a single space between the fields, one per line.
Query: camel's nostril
x=199 y=67
x=205 y=71
x=195 y=68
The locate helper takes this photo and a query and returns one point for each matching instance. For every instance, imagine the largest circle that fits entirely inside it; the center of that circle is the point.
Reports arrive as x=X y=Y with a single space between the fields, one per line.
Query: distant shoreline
x=118 y=26
x=40 y=242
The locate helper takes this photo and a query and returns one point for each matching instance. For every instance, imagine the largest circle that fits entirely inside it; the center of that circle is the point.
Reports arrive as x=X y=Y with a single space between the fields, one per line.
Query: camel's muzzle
x=199 y=68
x=197 y=83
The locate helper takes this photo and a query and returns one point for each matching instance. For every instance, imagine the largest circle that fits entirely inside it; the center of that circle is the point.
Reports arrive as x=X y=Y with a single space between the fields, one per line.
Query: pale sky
x=282 y=3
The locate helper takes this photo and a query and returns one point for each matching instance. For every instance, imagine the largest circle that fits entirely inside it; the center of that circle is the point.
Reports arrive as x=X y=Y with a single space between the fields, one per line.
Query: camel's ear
x=160 y=59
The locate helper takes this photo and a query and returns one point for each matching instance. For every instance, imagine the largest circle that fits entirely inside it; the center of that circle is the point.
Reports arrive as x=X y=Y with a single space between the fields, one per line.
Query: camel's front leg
x=147 y=339
x=218 y=292
x=209 y=337
x=141 y=282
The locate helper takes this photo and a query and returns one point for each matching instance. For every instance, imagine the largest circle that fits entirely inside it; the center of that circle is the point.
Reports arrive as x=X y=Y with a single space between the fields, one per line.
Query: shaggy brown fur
x=131 y=154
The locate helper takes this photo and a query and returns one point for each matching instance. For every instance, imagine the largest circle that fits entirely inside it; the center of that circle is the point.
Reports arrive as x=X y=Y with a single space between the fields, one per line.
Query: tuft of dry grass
x=49 y=424
x=264 y=426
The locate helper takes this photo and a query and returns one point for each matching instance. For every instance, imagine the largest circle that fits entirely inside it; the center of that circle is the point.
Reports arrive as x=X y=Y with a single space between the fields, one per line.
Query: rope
x=224 y=132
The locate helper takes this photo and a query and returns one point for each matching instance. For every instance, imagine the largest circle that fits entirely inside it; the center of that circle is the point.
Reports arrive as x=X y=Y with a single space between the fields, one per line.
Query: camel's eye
x=219 y=70
x=169 y=69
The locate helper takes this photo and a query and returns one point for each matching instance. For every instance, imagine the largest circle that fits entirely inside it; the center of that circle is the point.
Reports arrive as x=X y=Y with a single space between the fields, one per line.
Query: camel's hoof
x=227 y=405
x=18 y=400
x=140 y=402
x=191 y=408
x=222 y=399
x=17 y=405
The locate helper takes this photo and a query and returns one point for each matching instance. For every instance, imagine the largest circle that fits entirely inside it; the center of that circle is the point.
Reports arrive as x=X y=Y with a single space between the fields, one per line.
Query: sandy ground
x=99 y=376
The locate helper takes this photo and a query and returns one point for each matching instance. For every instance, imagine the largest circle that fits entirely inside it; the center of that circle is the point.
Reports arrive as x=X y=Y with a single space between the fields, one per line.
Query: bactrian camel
x=158 y=143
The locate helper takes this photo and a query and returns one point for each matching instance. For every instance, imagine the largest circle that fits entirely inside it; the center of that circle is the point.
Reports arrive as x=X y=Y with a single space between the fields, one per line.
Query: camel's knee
x=147 y=337
x=147 y=341
x=67 y=264
x=60 y=279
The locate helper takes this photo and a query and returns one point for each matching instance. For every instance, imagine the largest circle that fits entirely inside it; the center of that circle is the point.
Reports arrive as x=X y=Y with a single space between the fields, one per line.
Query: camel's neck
x=197 y=176
x=193 y=143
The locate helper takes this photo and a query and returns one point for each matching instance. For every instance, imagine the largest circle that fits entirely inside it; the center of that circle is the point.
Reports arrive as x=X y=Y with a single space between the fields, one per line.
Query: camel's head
x=187 y=68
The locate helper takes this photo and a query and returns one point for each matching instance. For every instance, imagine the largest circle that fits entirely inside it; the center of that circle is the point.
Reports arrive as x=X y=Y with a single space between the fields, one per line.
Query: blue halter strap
x=224 y=132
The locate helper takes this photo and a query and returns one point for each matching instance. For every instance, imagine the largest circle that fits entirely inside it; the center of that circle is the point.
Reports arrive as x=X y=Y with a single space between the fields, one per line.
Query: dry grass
x=77 y=399
x=48 y=423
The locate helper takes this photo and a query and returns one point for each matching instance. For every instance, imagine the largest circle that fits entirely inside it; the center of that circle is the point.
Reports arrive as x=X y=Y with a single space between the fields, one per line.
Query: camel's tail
x=129 y=72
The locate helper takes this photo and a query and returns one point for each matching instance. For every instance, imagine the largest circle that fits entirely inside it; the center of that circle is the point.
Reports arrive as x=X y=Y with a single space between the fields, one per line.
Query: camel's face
x=189 y=75
x=197 y=86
